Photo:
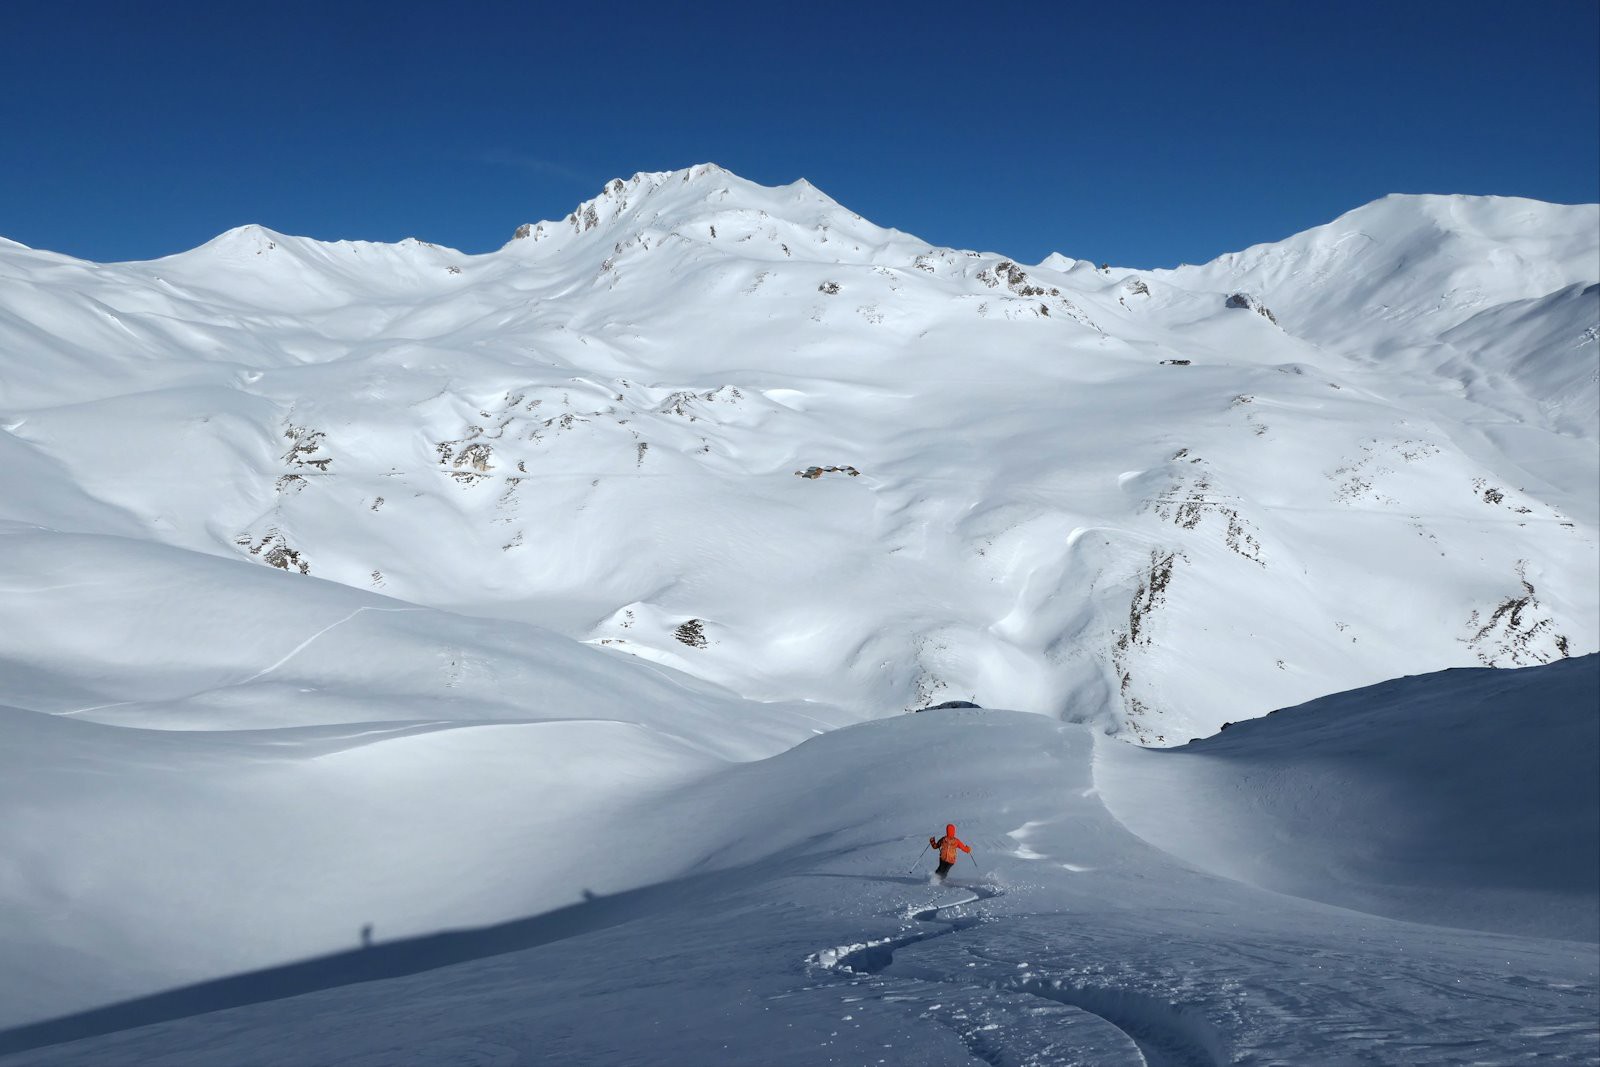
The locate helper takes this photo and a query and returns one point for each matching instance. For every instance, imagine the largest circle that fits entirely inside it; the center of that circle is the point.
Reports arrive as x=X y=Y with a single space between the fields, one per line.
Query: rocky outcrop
x=817 y=472
x=1246 y=301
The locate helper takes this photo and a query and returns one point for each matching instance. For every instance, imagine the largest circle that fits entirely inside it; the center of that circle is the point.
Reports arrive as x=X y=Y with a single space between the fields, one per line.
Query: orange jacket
x=948 y=844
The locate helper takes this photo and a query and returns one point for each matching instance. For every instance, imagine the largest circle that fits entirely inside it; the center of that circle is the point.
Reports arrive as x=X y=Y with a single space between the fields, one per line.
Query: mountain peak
x=699 y=199
x=250 y=231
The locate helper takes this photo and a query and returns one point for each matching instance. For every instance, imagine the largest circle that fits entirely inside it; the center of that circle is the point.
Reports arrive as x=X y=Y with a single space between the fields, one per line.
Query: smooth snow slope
x=1341 y=800
x=1492 y=298
x=762 y=913
x=190 y=788
x=597 y=428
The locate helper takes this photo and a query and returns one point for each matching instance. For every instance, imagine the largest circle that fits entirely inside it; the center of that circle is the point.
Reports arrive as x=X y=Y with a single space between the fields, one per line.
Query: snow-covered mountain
x=1169 y=499
x=566 y=598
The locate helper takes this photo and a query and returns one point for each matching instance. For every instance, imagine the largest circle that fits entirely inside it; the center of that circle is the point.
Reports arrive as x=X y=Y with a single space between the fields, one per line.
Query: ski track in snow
x=303 y=645
x=96 y=707
x=1165 y=1034
x=291 y=654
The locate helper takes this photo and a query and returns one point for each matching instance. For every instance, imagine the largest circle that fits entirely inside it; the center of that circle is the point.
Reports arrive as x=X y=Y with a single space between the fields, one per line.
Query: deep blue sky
x=1144 y=133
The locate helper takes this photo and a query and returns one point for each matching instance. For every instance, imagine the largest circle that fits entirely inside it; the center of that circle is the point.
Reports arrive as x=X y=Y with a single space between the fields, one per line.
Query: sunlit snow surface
x=567 y=728
x=1075 y=490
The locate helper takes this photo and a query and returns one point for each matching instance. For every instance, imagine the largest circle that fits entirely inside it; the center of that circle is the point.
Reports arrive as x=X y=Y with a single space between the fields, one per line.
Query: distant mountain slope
x=1483 y=297
x=1128 y=495
x=1408 y=268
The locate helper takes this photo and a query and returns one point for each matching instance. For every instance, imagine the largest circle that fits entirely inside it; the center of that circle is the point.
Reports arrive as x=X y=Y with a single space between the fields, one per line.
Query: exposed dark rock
x=817 y=472
x=1245 y=300
x=948 y=704
x=692 y=633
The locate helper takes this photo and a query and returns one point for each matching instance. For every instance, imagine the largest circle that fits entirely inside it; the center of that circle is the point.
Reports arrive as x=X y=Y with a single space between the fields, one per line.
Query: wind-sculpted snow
x=770 y=911
x=595 y=429
x=410 y=656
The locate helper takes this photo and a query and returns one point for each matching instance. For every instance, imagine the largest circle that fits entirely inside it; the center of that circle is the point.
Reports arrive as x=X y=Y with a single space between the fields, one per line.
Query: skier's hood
x=950 y=830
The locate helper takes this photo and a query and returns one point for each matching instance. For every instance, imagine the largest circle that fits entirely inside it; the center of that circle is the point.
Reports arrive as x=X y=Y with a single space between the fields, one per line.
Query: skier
x=947 y=846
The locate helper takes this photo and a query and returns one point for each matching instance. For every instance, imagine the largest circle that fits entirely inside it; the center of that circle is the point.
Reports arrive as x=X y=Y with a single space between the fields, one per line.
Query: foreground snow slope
x=761 y=911
x=1386 y=800
x=191 y=785
x=1057 y=488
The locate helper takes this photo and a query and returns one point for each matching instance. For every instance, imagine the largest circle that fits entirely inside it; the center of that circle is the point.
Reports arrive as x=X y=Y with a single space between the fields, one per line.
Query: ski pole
x=917 y=864
x=974 y=856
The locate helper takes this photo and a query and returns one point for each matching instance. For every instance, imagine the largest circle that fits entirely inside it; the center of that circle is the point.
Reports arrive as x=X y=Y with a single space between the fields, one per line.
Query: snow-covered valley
x=475 y=649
